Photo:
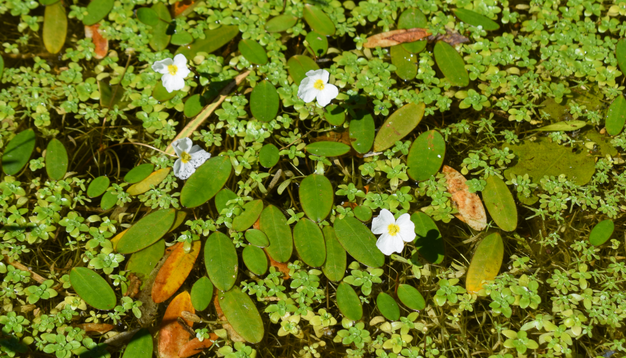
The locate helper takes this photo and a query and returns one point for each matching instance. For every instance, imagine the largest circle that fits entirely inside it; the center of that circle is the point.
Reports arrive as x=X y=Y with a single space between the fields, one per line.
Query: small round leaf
x=202 y=293
x=269 y=155
x=257 y=238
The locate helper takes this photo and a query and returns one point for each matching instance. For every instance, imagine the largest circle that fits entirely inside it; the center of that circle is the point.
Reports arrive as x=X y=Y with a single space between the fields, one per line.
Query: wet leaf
x=54 y=27
x=193 y=105
x=362 y=131
x=242 y=314
x=194 y=346
x=140 y=346
x=97 y=10
x=18 y=152
x=309 y=242
x=208 y=179
x=475 y=19
x=144 y=261
x=220 y=259
x=146 y=231
x=409 y=19
x=335 y=114
x=405 y=62
x=264 y=101
x=174 y=271
x=139 y=173
x=257 y=238
x=181 y=38
x=411 y=297
x=274 y=225
x=223 y=196
x=426 y=155
x=255 y=260
x=363 y=213
x=328 y=149
x=153 y=180
x=318 y=20
x=485 y=263
x=160 y=38
x=388 y=307
x=451 y=64
x=202 y=293
x=299 y=65
x=249 y=216
x=100 y=42
x=92 y=288
x=471 y=209
x=147 y=16
x=253 y=51
x=336 y=259
x=110 y=96
x=620 y=54
x=280 y=23
x=616 y=115
x=56 y=160
x=98 y=186
x=602 y=232
x=316 y=197
x=317 y=43
x=500 y=203
x=172 y=335
x=213 y=40
x=428 y=241
x=562 y=126
x=398 y=125
x=348 y=302
x=358 y=241
x=602 y=141
x=161 y=94
x=108 y=200
x=269 y=155
x=396 y=37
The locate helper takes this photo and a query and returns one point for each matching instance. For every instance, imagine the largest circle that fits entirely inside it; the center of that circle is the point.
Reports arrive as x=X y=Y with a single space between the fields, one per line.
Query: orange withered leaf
x=174 y=271
x=172 y=335
x=194 y=346
x=282 y=267
x=396 y=37
x=102 y=45
x=471 y=209
x=95 y=328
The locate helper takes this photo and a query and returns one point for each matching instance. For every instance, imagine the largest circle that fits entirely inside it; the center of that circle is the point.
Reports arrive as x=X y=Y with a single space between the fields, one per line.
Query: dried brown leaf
x=451 y=37
x=172 y=335
x=471 y=209
x=102 y=45
x=194 y=346
x=174 y=271
x=396 y=37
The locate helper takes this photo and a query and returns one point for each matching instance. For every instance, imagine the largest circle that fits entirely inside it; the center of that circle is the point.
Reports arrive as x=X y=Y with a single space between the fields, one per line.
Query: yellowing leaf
x=172 y=335
x=174 y=271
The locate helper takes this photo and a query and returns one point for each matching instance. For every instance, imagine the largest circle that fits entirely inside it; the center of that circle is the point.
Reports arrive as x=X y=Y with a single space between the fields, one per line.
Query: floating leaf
x=172 y=335
x=476 y=19
x=602 y=141
x=242 y=314
x=309 y=242
x=328 y=149
x=257 y=238
x=426 y=155
x=264 y=101
x=317 y=43
x=54 y=27
x=299 y=65
x=411 y=297
x=428 y=241
x=174 y=271
x=255 y=260
x=193 y=105
x=180 y=218
x=160 y=37
x=108 y=200
x=274 y=225
x=146 y=231
x=486 y=262
x=153 y=179
x=405 y=62
x=362 y=132
x=358 y=241
x=318 y=20
x=336 y=259
x=97 y=10
x=224 y=196
x=140 y=346
x=196 y=346
x=471 y=209
x=18 y=152
x=98 y=186
x=181 y=38
x=1 y=65
x=500 y=203
x=565 y=126
x=144 y=261
x=451 y=64
x=396 y=37
x=117 y=238
x=220 y=258
x=56 y=160
x=348 y=302
x=388 y=307
x=110 y=96
x=316 y=197
x=92 y=288
x=269 y=155
x=249 y=216
x=363 y=213
x=161 y=94
x=183 y=8
x=620 y=55
x=202 y=293
x=101 y=43
x=602 y=232
x=335 y=114
x=213 y=40
x=280 y=23
x=398 y=125
x=253 y=51
x=208 y=179
x=409 y=19
x=616 y=115
x=147 y=16
x=139 y=173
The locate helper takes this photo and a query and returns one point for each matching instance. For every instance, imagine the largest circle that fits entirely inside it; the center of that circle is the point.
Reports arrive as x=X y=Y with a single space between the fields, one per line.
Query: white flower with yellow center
x=174 y=72
x=190 y=157
x=394 y=232
x=316 y=85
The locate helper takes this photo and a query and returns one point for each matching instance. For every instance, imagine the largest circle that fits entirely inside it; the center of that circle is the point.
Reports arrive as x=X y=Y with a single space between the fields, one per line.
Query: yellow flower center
x=319 y=84
x=393 y=229
x=185 y=157
x=172 y=69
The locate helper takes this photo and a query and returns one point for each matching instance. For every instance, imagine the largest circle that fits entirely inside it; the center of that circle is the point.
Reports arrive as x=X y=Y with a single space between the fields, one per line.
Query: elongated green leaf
x=97 y=10
x=620 y=55
x=405 y=62
x=264 y=101
x=257 y=238
x=274 y=225
x=318 y=20
x=193 y=105
x=451 y=64
x=299 y=65
x=336 y=259
x=500 y=203
x=358 y=241
x=486 y=263
x=242 y=314
x=409 y=19
x=363 y=213
x=153 y=179
x=92 y=288
x=139 y=173
x=54 y=27
x=388 y=306
x=220 y=259
x=140 y=346
x=616 y=115
x=144 y=261
x=309 y=243
x=202 y=293
x=316 y=197
x=249 y=216
x=98 y=186
x=146 y=231
x=348 y=302
x=317 y=43
x=181 y=38
x=428 y=240
x=362 y=132
x=160 y=38
x=213 y=39
x=18 y=152
x=602 y=232
x=269 y=155
x=208 y=179
x=426 y=155
x=562 y=126
x=398 y=125
x=475 y=19
x=281 y=23
x=108 y=200
x=147 y=16
x=253 y=51
x=411 y=297
x=1 y=65
x=335 y=114
x=223 y=196
x=328 y=149
x=255 y=260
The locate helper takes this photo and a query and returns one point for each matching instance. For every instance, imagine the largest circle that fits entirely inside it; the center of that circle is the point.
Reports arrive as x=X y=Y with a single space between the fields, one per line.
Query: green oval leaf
x=223 y=196
x=398 y=125
x=428 y=240
x=146 y=231
x=409 y=19
x=274 y=225
x=485 y=263
x=562 y=126
x=139 y=173
x=362 y=133
x=242 y=314
x=335 y=114
x=1 y=65
x=358 y=241
x=253 y=51
x=97 y=10
x=348 y=302
x=309 y=242
x=257 y=238
x=160 y=38
x=269 y=155
x=161 y=94
x=213 y=40
x=92 y=288
x=264 y=101
x=202 y=293
x=181 y=38
x=411 y=297
x=98 y=186
x=255 y=260
x=388 y=307
x=601 y=232
x=144 y=261
x=220 y=259
x=249 y=216
x=336 y=259
x=299 y=65
x=54 y=27
x=620 y=54
x=405 y=62
x=193 y=105
x=316 y=197
x=140 y=346
x=451 y=64
x=56 y=160
x=108 y=200
x=281 y=23
x=147 y=16
x=616 y=115
x=208 y=179
x=476 y=19
x=318 y=20
x=500 y=203
x=317 y=44
x=18 y=152
x=426 y=155
x=363 y=213
x=328 y=149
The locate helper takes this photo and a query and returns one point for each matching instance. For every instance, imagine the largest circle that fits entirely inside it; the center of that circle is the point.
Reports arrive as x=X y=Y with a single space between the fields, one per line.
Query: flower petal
x=305 y=85
x=173 y=83
x=161 y=66
x=198 y=156
x=407 y=228
x=382 y=221
x=315 y=75
x=325 y=75
x=182 y=72
x=309 y=95
x=326 y=95
x=180 y=60
x=388 y=244
x=184 y=170
x=182 y=145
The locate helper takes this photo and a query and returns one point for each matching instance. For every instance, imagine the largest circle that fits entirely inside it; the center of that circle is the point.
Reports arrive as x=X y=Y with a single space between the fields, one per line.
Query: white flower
x=394 y=233
x=174 y=72
x=190 y=157
x=316 y=85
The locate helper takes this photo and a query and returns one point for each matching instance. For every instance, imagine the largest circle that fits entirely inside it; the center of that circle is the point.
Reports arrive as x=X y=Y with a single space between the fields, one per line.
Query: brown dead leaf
x=134 y=284
x=451 y=37
x=396 y=37
x=95 y=328
x=282 y=267
x=183 y=7
x=257 y=223
x=194 y=346
x=471 y=209
x=174 y=271
x=172 y=335
x=102 y=45
x=332 y=136
x=234 y=336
